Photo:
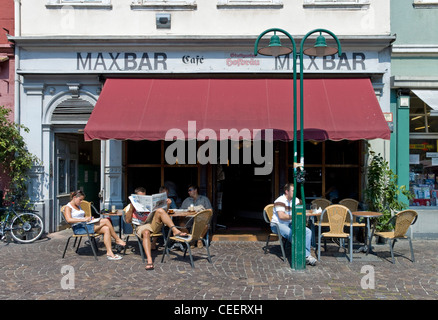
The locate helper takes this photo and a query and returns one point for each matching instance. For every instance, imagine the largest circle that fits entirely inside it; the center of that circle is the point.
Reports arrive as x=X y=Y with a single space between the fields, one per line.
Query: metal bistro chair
x=89 y=209
x=353 y=206
x=201 y=220
x=402 y=220
x=268 y=211
x=336 y=215
x=322 y=203
x=91 y=237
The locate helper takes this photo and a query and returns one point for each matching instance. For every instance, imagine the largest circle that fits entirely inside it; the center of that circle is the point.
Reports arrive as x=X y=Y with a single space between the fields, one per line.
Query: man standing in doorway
x=283 y=217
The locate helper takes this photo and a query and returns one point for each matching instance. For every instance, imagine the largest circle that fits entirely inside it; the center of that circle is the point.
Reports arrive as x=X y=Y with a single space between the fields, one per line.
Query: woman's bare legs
x=106 y=228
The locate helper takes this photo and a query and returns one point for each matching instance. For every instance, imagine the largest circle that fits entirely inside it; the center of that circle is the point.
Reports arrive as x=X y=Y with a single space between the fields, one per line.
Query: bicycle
x=25 y=226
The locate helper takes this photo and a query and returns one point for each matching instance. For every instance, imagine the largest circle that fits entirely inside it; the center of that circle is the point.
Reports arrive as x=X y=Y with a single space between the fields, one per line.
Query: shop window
x=146 y=166
x=147 y=177
x=342 y=152
x=423 y=175
x=420 y=116
x=180 y=178
x=313 y=153
x=73 y=175
x=423 y=153
x=62 y=176
x=331 y=167
x=144 y=152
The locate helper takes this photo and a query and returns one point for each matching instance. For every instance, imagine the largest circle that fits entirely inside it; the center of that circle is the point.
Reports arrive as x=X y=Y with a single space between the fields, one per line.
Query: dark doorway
x=244 y=195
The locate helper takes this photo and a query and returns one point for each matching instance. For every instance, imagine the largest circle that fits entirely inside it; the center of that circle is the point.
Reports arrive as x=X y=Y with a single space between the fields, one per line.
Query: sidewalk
x=239 y=270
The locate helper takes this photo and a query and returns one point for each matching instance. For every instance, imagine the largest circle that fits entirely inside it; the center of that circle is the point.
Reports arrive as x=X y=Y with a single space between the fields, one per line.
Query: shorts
x=79 y=229
x=152 y=224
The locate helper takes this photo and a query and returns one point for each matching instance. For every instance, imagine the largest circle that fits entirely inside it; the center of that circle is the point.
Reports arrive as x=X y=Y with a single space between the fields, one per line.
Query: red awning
x=146 y=109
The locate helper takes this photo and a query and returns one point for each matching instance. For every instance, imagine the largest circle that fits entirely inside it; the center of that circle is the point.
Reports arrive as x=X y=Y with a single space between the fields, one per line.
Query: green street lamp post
x=320 y=49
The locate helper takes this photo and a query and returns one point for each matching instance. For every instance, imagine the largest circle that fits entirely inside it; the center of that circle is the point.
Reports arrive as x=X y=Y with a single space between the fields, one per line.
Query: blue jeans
x=286 y=232
x=80 y=229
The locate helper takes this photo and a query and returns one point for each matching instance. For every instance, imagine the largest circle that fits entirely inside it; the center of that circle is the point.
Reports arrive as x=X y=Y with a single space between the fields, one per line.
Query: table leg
x=120 y=227
x=312 y=228
x=365 y=246
x=370 y=249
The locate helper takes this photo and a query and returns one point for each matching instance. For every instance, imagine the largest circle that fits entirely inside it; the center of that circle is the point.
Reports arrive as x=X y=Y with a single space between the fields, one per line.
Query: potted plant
x=382 y=191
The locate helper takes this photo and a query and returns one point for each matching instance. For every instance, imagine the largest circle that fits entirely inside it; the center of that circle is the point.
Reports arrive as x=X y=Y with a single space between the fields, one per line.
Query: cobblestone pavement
x=240 y=270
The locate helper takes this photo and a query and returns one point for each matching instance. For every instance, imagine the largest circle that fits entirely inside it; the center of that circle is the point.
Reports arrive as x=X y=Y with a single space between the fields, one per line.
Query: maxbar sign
x=202 y=61
x=121 y=61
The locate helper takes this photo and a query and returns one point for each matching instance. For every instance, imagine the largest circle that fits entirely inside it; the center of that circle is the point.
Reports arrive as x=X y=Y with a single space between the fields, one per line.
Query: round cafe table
x=370 y=232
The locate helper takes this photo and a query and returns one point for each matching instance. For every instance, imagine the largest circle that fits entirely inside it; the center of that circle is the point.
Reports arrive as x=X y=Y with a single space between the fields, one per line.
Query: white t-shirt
x=76 y=214
x=282 y=204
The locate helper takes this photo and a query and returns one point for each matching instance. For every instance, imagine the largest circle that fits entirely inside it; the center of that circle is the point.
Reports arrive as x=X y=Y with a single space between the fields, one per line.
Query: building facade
x=414 y=99
x=82 y=64
x=7 y=68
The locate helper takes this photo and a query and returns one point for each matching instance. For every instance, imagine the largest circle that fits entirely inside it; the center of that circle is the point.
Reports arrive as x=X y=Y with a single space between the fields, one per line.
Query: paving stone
x=240 y=271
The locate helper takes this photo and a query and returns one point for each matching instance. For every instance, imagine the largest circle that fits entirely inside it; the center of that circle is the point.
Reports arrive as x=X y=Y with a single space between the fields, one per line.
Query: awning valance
x=146 y=109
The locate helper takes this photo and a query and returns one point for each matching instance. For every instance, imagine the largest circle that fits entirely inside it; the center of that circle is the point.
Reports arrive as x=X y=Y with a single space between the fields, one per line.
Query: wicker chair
x=322 y=203
x=89 y=208
x=403 y=220
x=336 y=215
x=268 y=211
x=201 y=220
x=353 y=206
x=91 y=237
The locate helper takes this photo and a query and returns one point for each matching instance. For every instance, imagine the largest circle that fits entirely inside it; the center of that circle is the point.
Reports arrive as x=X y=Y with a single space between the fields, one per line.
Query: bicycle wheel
x=27 y=227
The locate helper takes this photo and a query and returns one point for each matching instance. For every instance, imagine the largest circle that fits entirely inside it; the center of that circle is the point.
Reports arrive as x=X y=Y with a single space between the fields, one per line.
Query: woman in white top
x=74 y=215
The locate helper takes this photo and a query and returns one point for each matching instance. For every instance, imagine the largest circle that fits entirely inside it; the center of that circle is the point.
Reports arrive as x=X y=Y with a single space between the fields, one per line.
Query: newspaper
x=149 y=203
x=95 y=220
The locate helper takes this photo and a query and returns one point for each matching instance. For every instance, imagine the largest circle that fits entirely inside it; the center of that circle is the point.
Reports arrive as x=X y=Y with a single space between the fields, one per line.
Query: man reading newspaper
x=148 y=214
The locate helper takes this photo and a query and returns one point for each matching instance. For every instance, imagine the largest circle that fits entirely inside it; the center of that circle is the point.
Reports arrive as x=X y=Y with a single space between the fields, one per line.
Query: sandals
x=181 y=234
x=149 y=267
x=121 y=244
x=116 y=257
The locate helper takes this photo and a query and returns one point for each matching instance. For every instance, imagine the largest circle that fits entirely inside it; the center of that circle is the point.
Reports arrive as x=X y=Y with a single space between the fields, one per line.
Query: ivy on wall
x=16 y=160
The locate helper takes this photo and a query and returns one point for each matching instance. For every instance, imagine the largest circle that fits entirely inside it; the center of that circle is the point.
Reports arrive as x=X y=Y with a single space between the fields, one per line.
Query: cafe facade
x=110 y=112
x=144 y=92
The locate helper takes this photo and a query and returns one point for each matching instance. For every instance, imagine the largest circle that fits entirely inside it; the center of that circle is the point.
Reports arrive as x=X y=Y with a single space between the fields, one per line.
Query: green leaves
x=15 y=159
x=382 y=191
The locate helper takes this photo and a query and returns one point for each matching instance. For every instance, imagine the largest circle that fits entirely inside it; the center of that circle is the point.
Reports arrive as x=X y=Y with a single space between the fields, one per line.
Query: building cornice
x=410 y=50
x=378 y=42
x=414 y=82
